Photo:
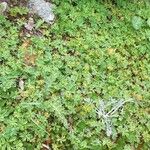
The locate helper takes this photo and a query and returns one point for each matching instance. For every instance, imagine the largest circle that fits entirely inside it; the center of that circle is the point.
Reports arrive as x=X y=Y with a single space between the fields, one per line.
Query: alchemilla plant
x=81 y=83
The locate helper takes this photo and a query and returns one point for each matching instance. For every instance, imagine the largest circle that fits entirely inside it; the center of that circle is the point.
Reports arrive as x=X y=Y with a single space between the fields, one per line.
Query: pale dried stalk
x=106 y=116
x=46 y=146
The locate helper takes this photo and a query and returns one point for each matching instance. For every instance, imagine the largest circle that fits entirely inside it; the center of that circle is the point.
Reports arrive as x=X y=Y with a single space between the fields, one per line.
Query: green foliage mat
x=51 y=79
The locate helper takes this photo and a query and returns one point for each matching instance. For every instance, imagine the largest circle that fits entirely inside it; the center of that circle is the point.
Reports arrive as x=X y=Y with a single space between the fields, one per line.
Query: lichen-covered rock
x=43 y=9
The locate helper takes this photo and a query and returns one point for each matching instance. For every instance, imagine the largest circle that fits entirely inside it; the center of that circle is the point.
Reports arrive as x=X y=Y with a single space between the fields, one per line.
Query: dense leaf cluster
x=51 y=79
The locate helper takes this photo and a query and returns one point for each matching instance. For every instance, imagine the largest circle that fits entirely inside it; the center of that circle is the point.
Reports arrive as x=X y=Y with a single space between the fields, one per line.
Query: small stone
x=3 y=7
x=43 y=9
x=30 y=25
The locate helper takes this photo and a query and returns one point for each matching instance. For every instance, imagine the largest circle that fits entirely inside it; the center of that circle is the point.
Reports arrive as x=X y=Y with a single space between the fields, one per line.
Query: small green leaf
x=137 y=22
x=148 y=22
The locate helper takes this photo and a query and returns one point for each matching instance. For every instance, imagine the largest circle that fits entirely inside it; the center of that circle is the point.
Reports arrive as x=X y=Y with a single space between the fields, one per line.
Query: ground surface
x=95 y=50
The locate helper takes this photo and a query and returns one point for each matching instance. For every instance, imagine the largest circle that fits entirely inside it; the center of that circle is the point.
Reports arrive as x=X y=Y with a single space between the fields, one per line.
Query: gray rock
x=43 y=9
x=3 y=7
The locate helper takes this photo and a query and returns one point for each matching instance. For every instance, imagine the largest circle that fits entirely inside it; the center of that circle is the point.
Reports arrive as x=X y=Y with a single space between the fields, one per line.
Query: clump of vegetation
x=53 y=78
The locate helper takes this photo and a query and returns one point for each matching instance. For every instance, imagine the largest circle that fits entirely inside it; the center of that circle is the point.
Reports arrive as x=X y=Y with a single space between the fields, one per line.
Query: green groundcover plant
x=59 y=83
